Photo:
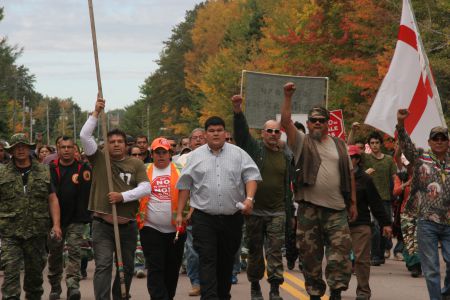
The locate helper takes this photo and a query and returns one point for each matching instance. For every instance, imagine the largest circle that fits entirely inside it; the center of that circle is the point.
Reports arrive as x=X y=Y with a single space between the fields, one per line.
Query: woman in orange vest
x=162 y=242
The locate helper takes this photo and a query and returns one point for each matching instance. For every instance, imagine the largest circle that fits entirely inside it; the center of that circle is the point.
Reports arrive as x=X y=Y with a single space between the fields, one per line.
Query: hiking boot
x=195 y=291
x=255 y=291
x=416 y=271
x=335 y=295
x=290 y=264
x=274 y=293
x=55 y=293
x=73 y=294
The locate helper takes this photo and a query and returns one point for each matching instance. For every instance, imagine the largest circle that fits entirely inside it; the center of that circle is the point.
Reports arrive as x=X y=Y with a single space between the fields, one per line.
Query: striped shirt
x=217 y=181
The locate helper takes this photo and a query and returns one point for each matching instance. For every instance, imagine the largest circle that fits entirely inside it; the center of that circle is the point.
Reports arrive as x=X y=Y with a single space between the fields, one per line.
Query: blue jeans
x=191 y=258
x=428 y=235
x=104 y=247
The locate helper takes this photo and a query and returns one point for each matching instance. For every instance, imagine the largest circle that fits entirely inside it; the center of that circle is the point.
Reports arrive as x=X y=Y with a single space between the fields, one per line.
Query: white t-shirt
x=159 y=207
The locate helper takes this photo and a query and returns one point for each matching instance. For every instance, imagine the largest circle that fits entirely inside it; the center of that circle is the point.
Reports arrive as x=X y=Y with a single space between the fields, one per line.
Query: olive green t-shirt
x=384 y=171
x=269 y=196
x=126 y=175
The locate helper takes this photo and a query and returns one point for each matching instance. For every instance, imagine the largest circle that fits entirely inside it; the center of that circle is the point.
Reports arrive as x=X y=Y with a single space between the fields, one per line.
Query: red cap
x=160 y=143
x=353 y=150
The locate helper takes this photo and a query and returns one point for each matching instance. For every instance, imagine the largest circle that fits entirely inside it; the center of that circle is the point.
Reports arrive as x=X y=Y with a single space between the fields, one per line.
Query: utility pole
x=74 y=125
x=48 y=127
x=63 y=125
x=108 y=124
x=31 y=125
x=148 y=122
x=23 y=114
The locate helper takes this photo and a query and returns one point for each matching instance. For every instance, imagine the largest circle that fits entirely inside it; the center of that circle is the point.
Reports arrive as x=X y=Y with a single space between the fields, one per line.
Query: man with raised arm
x=327 y=199
x=431 y=187
x=130 y=182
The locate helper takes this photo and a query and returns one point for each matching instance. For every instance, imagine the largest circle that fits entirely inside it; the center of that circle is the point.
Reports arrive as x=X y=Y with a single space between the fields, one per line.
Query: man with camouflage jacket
x=265 y=226
x=26 y=197
x=430 y=192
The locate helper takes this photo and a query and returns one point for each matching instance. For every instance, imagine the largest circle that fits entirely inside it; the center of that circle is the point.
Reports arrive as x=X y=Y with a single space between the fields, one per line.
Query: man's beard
x=316 y=135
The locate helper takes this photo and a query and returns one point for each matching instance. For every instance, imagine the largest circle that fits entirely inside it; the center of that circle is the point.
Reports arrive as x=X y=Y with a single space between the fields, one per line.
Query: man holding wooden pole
x=130 y=182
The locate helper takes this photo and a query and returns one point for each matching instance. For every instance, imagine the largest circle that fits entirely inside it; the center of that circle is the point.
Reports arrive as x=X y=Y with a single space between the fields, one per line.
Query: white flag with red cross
x=408 y=84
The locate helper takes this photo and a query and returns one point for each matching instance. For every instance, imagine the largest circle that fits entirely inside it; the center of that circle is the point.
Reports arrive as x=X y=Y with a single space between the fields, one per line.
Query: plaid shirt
x=430 y=184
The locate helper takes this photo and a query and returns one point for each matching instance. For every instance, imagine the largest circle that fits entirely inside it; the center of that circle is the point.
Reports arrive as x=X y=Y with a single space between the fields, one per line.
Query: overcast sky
x=57 y=44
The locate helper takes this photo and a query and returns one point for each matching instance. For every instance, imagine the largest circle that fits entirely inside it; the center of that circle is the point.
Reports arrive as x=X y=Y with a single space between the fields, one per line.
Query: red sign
x=336 y=124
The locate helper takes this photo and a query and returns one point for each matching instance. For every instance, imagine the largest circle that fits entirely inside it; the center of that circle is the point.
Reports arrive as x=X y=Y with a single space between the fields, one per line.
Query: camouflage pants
x=32 y=252
x=319 y=228
x=267 y=233
x=73 y=239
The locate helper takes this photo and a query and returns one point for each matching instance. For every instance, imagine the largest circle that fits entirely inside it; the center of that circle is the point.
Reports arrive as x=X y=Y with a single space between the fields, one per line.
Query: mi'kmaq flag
x=408 y=84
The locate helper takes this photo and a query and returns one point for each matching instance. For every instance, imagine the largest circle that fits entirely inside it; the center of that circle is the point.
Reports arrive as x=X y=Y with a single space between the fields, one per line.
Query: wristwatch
x=251 y=198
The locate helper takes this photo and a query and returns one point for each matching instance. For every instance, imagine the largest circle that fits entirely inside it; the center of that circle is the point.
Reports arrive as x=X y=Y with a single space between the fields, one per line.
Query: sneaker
x=335 y=295
x=398 y=256
x=195 y=291
x=387 y=253
x=140 y=273
x=73 y=294
x=234 y=279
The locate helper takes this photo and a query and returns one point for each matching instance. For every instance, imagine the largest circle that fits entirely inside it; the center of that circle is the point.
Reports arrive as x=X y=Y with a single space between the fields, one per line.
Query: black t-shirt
x=72 y=185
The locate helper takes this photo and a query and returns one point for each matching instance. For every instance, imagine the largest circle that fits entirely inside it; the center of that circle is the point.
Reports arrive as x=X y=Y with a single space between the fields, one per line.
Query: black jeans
x=216 y=240
x=163 y=258
x=104 y=247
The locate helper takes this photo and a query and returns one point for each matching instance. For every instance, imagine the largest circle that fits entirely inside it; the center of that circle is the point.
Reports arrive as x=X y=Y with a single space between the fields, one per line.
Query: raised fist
x=402 y=114
x=236 y=100
x=289 y=89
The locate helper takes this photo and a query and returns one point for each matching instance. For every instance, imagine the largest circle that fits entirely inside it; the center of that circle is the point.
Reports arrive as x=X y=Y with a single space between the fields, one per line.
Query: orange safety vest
x=142 y=213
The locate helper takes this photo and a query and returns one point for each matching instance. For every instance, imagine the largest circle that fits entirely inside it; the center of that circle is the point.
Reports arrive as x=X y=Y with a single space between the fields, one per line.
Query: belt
x=98 y=219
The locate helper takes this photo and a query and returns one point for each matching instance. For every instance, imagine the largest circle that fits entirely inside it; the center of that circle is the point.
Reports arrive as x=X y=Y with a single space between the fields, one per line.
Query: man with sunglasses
x=265 y=226
x=431 y=185
x=327 y=199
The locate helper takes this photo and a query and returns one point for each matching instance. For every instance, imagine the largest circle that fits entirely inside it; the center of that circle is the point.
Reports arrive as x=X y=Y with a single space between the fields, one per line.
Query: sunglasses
x=229 y=139
x=173 y=145
x=439 y=139
x=160 y=152
x=315 y=120
x=270 y=130
x=135 y=154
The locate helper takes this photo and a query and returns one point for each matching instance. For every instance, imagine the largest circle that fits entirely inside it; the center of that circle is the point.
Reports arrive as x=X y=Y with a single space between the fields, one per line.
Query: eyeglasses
x=135 y=154
x=270 y=130
x=173 y=145
x=230 y=139
x=160 y=152
x=315 y=120
x=439 y=139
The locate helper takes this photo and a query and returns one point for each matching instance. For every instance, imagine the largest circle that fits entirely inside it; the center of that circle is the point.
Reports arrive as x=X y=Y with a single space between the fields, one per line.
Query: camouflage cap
x=20 y=138
x=439 y=130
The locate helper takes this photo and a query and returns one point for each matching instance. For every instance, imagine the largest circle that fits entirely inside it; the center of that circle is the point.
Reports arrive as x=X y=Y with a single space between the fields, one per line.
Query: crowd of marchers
x=215 y=203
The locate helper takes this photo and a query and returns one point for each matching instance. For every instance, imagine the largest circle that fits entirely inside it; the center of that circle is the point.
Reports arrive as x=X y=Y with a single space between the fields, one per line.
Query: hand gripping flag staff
x=120 y=269
x=409 y=84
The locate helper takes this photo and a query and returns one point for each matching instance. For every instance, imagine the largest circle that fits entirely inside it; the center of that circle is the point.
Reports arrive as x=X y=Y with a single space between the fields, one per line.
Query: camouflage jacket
x=430 y=187
x=24 y=210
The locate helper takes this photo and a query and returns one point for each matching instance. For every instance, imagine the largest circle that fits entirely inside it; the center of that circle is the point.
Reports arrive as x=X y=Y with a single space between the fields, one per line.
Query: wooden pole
x=120 y=269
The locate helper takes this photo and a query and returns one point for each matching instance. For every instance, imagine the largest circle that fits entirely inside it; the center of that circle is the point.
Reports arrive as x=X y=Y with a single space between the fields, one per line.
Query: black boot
x=335 y=294
x=274 y=293
x=255 y=291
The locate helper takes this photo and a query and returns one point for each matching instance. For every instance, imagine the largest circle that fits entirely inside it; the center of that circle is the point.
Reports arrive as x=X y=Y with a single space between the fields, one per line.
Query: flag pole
x=107 y=158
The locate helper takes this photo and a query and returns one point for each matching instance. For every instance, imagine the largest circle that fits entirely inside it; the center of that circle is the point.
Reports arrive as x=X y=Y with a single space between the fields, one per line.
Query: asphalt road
x=388 y=282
